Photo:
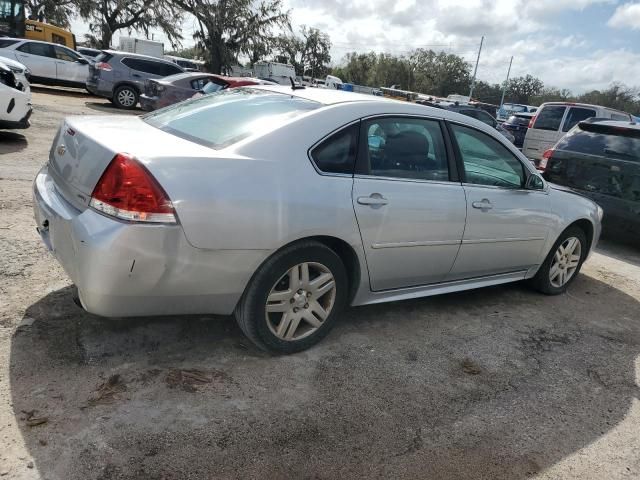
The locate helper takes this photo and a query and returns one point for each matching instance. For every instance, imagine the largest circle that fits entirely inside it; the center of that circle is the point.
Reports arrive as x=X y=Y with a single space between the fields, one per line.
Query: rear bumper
x=99 y=88
x=130 y=269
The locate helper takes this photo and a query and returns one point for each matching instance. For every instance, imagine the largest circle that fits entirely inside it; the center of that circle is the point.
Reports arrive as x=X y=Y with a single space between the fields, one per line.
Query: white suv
x=49 y=63
x=554 y=119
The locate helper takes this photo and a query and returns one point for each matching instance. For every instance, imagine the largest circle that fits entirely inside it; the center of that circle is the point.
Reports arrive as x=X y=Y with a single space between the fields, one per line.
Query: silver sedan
x=284 y=205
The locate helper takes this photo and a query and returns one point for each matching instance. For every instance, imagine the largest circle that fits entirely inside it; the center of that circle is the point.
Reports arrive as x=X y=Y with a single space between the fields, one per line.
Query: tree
x=108 y=16
x=230 y=28
x=617 y=96
x=487 y=92
x=522 y=89
x=439 y=73
x=308 y=53
x=56 y=12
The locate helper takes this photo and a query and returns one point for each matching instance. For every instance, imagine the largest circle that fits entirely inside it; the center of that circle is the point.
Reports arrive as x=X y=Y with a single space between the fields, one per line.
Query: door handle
x=483 y=205
x=375 y=199
x=135 y=75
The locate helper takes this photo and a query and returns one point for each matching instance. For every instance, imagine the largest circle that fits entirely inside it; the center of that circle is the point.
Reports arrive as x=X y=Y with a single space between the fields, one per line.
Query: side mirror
x=83 y=61
x=534 y=182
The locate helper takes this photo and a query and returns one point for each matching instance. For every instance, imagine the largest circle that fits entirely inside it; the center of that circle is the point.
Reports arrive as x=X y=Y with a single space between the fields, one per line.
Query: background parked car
x=517 y=124
x=89 y=53
x=482 y=115
x=49 y=63
x=21 y=72
x=121 y=76
x=175 y=88
x=15 y=100
x=554 y=119
x=601 y=160
x=508 y=109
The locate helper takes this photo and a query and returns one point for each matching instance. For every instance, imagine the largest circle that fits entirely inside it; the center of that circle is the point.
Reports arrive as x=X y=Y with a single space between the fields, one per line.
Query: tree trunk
x=215 y=49
x=107 y=35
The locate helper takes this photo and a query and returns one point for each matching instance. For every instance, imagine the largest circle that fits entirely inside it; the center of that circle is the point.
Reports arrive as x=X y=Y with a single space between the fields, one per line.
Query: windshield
x=509 y=107
x=226 y=117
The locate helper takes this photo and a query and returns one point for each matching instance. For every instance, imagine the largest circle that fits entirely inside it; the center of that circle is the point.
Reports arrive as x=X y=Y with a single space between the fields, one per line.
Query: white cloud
x=626 y=16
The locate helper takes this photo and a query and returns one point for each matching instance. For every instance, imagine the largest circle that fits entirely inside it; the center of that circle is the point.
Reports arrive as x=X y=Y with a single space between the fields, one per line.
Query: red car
x=176 y=88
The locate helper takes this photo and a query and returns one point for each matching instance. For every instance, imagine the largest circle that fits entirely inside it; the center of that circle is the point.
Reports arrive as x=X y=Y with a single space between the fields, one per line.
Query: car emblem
x=61 y=150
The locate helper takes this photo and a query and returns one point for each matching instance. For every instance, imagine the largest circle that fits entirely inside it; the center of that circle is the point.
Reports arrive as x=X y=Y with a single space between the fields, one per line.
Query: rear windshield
x=224 y=118
x=514 y=108
x=103 y=57
x=549 y=118
x=513 y=120
x=620 y=147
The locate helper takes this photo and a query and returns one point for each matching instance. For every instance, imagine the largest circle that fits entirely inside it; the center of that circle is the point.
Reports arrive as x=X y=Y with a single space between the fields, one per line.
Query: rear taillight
x=532 y=121
x=127 y=190
x=103 y=66
x=546 y=156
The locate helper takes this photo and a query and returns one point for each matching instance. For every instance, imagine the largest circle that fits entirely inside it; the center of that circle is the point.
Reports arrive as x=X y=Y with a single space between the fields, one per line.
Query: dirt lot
x=495 y=383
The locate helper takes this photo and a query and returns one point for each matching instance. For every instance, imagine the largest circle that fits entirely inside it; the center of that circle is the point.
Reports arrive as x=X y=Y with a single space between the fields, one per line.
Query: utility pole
x=473 y=80
x=504 y=89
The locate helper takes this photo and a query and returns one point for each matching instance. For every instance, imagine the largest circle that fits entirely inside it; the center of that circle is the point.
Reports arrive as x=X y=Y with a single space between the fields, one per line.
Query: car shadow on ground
x=12 y=142
x=494 y=383
x=61 y=91
x=108 y=107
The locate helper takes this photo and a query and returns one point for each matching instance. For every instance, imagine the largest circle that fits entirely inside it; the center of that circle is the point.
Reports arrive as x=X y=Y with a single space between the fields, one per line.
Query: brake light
x=128 y=191
x=532 y=121
x=546 y=156
x=103 y=66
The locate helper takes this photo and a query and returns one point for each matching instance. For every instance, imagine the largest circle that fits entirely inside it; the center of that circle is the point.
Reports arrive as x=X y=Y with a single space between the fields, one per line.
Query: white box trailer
x=274 y=71
x=142 y=46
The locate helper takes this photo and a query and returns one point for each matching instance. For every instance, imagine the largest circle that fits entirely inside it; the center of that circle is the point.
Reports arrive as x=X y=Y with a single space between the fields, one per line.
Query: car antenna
x=294 y=86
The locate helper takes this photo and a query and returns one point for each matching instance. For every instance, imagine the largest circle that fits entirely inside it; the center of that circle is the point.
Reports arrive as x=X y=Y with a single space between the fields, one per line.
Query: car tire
x=563 y=259
x=125 y=97
x=282 y=314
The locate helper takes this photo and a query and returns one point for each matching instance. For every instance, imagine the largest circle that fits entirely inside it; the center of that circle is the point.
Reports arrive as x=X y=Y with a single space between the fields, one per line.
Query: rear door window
x=410 y=148
x=575 y=115
x=550 y=118
x=35 y=48
x=146 y=66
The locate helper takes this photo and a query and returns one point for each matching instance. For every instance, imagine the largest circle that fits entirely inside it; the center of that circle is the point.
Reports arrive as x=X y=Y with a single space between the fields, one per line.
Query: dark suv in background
x=600 y=159
x=121 y=76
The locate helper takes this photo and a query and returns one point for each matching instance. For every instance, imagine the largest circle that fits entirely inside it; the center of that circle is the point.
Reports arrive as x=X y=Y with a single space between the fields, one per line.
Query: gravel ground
x=499 y=383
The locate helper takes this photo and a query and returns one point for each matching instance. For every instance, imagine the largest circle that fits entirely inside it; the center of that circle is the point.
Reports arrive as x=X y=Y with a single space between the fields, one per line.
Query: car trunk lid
x=84 y=146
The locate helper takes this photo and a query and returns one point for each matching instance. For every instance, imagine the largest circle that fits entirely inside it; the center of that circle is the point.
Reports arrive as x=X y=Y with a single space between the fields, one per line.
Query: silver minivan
x=554 y=119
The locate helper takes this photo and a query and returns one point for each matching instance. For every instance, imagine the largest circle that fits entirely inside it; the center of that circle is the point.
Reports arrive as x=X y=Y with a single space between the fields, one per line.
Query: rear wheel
x=294 y=299
x=125 y=97
x=563 y=263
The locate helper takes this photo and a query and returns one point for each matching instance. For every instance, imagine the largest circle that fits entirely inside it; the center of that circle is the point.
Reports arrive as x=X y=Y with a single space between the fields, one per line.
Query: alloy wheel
x=126 y=97
x=565 y=262
x=300 y=301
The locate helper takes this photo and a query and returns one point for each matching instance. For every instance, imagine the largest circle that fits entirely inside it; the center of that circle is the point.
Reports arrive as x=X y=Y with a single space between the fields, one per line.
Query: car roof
x=613 y=123
x=25 y=40
x=576 y=104
x=326 y=96
x=139 y=55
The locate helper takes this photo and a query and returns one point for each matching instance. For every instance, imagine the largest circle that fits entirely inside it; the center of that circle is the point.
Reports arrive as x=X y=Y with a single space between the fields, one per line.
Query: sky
x=576 y=44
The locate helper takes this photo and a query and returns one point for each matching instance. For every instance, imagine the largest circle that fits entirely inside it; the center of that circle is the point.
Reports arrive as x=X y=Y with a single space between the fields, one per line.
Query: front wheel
x=563 y=263
x=294 y=298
